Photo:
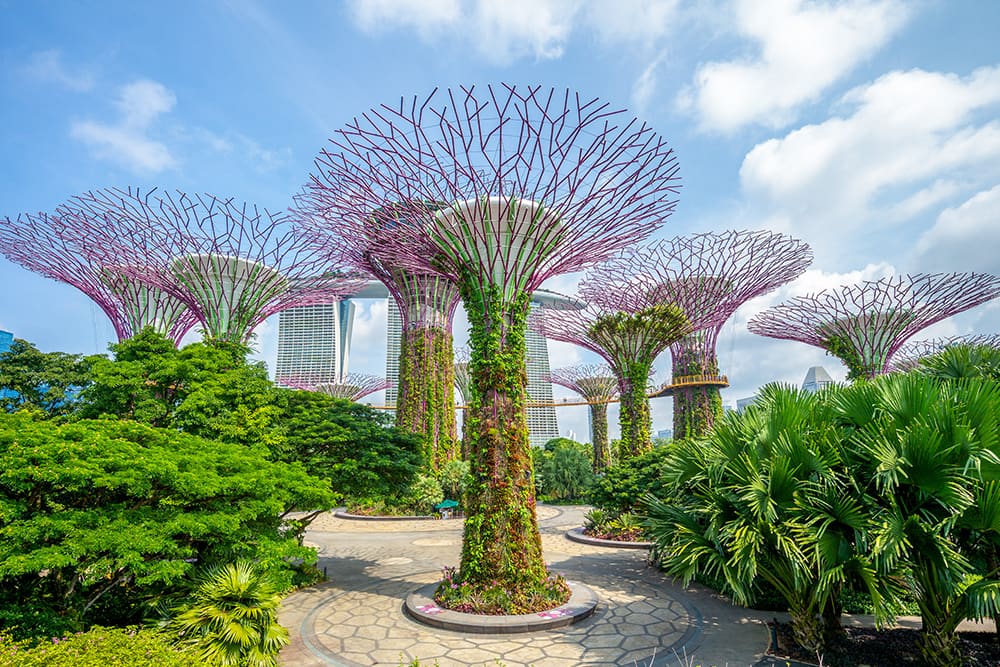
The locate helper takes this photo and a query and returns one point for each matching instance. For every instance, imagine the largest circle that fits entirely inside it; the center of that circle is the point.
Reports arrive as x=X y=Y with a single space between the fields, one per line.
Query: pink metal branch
x=230 y=263
x=58 y=247
x=594 y=382
x=353 y=386
x=875 y=318
x=909 y=355
x=548 y=183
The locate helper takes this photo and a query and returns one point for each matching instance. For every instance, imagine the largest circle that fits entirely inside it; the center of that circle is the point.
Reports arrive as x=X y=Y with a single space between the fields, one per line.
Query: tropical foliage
x=887 y=486
x=46 y=381
x=563 y=470
x=99 y=515
x=231 y=617
x=100 y=647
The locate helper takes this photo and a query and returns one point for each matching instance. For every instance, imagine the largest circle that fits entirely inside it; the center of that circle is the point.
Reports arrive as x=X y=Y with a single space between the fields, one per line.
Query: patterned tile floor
x=356 y=618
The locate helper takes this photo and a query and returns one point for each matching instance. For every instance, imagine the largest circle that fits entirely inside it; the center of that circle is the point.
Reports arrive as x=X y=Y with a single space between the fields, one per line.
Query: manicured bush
x=623 y=485
x=100 y=647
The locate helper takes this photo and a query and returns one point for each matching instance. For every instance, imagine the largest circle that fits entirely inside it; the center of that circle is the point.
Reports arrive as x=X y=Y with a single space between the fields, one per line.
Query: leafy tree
x=47 y=381
x=351 y=445
x=563 y=469
x=454 y=477
x=624 y=484
x=99 y=510
x=206 y=389
x=231 y=617
x=768 y=497
x=928 y=451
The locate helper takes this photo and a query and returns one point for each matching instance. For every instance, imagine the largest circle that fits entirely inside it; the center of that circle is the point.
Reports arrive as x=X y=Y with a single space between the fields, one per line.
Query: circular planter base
x=341 y=514
x=421 y=607
x=577 y=535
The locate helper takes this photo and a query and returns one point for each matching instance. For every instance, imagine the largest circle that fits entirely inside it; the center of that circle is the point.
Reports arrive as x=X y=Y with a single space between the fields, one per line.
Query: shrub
x=100 y=647
x=624 y=484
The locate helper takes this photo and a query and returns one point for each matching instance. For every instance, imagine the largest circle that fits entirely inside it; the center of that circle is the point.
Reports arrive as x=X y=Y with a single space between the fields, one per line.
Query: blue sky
x=868 y=128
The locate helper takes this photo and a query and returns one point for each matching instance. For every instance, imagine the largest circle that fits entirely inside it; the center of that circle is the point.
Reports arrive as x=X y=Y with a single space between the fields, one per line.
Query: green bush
x=563 y=470
x=454 y=477
x=100 y=647
x=623 y=485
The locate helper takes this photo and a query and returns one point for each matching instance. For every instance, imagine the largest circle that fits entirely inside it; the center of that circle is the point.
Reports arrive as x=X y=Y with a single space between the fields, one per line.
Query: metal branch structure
x=57 y=247
x=908 y=357
x=598 y=386
x=427 y=304
x=230 y=263
x=864 y=324
x=352 y=387
x=505 y=187
x=463 y=378
x=708 y=276
x=629 y=338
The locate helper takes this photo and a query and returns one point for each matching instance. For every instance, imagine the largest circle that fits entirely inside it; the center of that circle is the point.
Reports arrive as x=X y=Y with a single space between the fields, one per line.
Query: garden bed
x=883 y=648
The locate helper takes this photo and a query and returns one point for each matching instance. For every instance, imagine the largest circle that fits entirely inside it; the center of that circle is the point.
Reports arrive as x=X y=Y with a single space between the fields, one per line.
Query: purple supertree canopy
x=864 y=324
x=534 y=182
x=353 y=386
x=594 y=382
x=707 y=275
x=909 y=355
x=58 y=247
x=230 y=263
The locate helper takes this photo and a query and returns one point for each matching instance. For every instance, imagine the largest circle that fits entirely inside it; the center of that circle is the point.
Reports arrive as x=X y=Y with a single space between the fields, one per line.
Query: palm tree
x=232 y=617
x=963 y=361
x=767 y=498
x=925 y=448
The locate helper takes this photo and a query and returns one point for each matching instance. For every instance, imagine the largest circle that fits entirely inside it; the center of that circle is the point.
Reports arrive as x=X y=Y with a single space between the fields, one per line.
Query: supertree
x=537 y=183
x=58 y=247
x=709 y=276
x=426 y=302
x=908 y=357
x=598 y=386
x=864 y=324
x=628 y=337
x=463 y=379
x=352 y=387
x=230 y=263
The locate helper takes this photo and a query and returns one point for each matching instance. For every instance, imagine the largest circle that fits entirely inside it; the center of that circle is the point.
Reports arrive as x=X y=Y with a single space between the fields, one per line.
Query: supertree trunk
x=599 y=436
x=696 y=407
x=426 y=402
x=501 y=541
x=634 y=418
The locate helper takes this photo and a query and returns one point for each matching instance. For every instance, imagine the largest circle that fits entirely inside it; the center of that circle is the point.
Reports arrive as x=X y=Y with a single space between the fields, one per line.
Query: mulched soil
x=885 y=648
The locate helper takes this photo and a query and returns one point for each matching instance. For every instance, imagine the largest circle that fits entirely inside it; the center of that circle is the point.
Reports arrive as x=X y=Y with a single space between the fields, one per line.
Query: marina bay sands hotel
x=314 y=342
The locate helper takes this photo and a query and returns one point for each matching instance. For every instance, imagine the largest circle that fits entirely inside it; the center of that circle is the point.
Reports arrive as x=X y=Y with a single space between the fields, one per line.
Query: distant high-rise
x=314 y=343
x=393 y=348
x=542 y=424
x=816 y=379
x=6 y=338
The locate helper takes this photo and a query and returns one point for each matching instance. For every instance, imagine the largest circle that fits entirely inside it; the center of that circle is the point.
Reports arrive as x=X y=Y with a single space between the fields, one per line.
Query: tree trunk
x=634 y=417
x=501 y=541
x=426 y=403
x=599 y=436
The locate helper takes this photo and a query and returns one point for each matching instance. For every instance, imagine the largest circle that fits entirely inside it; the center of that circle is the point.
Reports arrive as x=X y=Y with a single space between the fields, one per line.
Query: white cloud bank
x=802 y=49
x=127 y=140
x=909 y=142
x=502 y=31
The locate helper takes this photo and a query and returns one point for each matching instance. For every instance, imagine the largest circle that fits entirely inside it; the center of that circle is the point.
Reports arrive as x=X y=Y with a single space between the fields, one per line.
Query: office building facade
x=314 y=343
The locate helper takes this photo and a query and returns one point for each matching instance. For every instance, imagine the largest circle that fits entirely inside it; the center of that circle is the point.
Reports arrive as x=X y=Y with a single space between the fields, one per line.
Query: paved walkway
x=643 y=620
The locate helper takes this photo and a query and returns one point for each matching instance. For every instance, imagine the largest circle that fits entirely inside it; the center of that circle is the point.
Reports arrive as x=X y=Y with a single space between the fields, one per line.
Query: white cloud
x=645 y=86
x=908 y=142
x=965 y=238
x=48 y=66
x=803 y=48
x=504 y=31
x=127 y=140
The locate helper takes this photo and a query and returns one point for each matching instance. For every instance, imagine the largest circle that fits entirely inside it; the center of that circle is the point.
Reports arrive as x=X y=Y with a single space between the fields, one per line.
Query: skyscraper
x=816 y=378
x=6 y=338
x=314 y=342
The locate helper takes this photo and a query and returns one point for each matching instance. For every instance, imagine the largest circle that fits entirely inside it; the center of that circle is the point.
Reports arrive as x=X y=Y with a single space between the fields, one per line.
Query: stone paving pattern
x=356 y=617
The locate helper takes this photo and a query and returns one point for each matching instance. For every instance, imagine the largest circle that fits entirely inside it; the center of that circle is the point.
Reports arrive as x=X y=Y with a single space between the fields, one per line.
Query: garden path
x=356 y=617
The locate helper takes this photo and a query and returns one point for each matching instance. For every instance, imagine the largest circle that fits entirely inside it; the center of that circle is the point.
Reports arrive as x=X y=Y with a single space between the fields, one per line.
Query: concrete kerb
x=341 y=514
x=421 y=607
x=577 y=535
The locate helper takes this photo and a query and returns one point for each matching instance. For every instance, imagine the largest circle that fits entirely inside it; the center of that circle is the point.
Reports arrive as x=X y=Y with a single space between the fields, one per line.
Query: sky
x=868 y=128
